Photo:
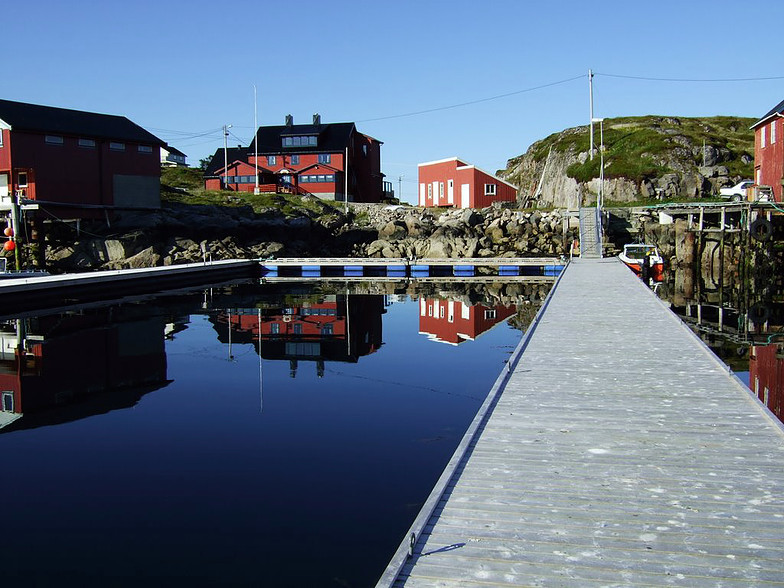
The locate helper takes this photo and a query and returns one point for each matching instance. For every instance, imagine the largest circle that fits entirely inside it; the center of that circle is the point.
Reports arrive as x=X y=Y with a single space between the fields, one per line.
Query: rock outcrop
x=644 y=158
x=182 y=233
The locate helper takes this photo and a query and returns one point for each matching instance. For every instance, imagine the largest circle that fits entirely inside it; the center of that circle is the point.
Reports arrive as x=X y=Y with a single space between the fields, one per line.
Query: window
x=274 y=328
x=53 y=139
x=364 y=150
x=300 y=141
x=1 y=137
x=145 y=149
x=325 y=158
x=430 y=191
x=8 y=401
x=272 y=160
x=295 y=160
x=490 y=189
x=773 y=132
x=762 y=136
x=87 y=143
x=327 y=329
x=115 y=146
x=21 y=179
x=441 y=190
x=490 y=314
x=297 y=328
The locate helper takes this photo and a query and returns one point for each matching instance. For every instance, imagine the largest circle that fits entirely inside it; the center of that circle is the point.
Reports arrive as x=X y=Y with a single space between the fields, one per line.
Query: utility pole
x=256 y=143
x=399 y=188
x=226 y=156
x=590 y=98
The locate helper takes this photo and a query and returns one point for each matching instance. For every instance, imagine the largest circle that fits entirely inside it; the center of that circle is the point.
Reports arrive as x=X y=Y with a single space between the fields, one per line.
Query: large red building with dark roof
x=77 y=163
x=304 y=159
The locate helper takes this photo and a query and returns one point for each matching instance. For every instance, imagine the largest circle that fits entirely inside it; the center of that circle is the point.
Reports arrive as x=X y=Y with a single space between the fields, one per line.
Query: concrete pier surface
x=619 y=452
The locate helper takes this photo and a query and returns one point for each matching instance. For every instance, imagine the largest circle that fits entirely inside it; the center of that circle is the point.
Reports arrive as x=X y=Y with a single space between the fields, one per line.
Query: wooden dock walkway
x=619 y=452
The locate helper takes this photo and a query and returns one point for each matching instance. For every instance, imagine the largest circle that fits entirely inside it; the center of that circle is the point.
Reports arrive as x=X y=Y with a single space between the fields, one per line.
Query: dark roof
x=174 y=150
x=219 y=157
x=778 y=109
x=49 y=119
x=331 y=137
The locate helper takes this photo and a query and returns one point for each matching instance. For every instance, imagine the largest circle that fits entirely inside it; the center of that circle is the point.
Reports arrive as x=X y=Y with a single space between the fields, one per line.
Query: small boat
x=639 y=255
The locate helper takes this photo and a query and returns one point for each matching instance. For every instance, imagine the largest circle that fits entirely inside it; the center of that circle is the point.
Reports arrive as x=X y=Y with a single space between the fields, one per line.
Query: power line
x=499 y=96
x=650 y=79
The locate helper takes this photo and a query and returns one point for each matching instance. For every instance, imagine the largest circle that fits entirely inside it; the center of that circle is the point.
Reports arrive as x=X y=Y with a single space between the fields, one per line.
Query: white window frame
x=1 y=138
x=144 y=149
x=54 y=139
x=772 y=132
x=19 y=183
x=491 y=189
x=763 y=133
x=116 y=146
x=86 y=143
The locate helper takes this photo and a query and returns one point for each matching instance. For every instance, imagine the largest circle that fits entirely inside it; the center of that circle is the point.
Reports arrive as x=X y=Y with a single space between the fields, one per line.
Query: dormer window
x=300 y=141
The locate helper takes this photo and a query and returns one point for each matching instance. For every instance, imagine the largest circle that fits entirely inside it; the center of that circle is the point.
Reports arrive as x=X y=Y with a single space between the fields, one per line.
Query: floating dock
x=617 y=450
x=410 y=268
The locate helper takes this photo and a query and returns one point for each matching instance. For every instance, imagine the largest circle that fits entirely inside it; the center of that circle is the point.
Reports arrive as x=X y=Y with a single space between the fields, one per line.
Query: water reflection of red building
x=766 y=377
x=53 y=362
x=453 y=321
x=332 y=328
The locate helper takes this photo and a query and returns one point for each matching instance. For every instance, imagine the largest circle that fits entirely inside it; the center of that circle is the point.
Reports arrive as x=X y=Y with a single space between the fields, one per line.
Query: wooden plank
x=620 y=451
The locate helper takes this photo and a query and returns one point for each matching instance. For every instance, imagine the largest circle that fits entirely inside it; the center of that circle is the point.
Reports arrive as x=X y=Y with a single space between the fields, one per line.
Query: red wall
x=769 y=158
x=460 y=173
x=766 y=370
x=71 y=174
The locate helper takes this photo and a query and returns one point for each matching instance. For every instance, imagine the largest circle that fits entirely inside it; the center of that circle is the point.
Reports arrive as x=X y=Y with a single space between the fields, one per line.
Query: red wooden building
x=304 y=159
x=453 y=182
x=766 y=377
x=78 y=163
x=453 y=321
x=769 y=150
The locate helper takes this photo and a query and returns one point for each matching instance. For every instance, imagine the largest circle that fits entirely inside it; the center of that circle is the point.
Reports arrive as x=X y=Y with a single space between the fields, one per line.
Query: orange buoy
x=8 y=232
x=9 y=246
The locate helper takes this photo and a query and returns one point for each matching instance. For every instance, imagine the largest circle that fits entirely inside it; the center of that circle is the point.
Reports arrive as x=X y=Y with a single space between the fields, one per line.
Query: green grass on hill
x=186 y=186
x=639 y=147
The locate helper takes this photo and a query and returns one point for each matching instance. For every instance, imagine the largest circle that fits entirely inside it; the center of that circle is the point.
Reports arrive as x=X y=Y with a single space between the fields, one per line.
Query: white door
x=450 y=192
x=3 y=185
x=465 y=195
x=421 y=195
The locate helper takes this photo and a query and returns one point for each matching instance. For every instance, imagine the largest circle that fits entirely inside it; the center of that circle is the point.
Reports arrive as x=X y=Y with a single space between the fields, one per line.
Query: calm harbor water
x=242 y=435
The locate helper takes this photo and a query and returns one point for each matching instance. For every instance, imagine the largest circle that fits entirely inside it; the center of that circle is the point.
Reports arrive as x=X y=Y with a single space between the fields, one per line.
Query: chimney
x=289 y=120
x=316 y=119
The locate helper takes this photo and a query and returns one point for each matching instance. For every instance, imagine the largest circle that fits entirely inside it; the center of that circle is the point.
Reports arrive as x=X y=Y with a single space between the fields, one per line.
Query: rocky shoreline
x=187 y=233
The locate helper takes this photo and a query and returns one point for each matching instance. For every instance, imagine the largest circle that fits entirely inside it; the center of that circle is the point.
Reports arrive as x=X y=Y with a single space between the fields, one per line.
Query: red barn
x=453 y=182
x=305 y=159
x=75 y=162
x=769 y=151
x=453 y=321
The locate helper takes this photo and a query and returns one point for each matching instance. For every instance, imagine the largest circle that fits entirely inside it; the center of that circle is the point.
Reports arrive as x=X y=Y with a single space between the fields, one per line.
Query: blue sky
x=184 y=69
